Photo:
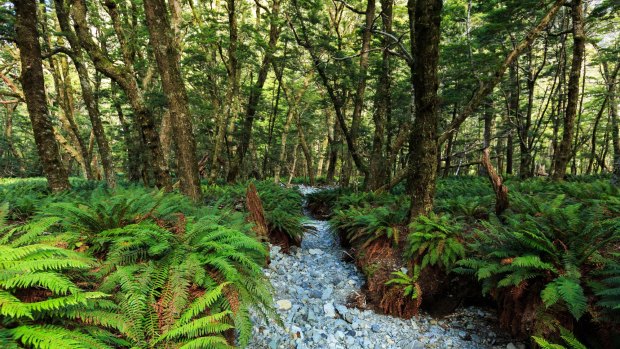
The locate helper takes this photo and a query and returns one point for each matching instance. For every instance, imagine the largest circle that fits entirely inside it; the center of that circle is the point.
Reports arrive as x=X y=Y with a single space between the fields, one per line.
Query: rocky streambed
x=312 y=285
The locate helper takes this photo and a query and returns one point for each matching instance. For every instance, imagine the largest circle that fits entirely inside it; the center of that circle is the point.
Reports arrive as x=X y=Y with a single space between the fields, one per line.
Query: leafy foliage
x=609 y=289
x=567 y=337
x=363 y=225
x=435 y=240
x=159 y=279
x=283 y=210
x=410 y=283
x=554 y=245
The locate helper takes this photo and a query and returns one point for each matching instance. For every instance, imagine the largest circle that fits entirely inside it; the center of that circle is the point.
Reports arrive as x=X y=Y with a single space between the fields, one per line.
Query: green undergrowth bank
x=133 y=267
x=550 y=263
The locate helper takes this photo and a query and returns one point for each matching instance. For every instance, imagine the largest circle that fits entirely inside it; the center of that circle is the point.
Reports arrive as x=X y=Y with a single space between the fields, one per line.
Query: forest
x=309 y=174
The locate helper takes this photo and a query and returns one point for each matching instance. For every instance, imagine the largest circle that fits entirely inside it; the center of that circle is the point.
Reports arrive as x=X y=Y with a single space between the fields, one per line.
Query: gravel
x=311 y=288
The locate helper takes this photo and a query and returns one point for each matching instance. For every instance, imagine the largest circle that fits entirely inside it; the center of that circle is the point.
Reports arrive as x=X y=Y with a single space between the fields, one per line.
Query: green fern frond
x=54 y=337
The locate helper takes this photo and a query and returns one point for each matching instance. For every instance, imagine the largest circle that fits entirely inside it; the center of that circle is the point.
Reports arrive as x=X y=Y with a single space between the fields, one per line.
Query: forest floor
x=312 y=285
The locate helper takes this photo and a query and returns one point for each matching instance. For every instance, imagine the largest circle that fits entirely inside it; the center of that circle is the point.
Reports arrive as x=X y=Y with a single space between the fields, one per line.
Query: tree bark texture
x=255 y=95
x=167 y=57
x=579 y=41
x=501 y=191
x=87 y=94
x=378 y=168
x=423 y=137
x=34 y=93
x=124 y=76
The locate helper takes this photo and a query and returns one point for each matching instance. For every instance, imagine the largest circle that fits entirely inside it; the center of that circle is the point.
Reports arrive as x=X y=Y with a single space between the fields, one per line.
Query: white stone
x=284 y=304
x=329 y=310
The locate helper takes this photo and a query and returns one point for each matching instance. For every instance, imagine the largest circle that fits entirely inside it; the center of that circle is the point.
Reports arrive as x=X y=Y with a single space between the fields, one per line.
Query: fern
x=410 y=285
x=36 y=287
x=54 y=337
x=567 y=336
x=552 y=242
x=435 y=240
x=363 y=225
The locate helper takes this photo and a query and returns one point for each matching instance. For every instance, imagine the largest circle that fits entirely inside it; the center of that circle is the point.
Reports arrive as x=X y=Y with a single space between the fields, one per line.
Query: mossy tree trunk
x=378 y=168
x=167 y=56
x=564 y=153
x=87 y=94
x=34 y=92
x=124 y=76
x=423 y=137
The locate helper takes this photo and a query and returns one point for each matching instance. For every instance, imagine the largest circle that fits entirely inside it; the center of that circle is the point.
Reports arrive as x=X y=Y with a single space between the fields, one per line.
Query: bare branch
x=396 y=40
x=350 y=7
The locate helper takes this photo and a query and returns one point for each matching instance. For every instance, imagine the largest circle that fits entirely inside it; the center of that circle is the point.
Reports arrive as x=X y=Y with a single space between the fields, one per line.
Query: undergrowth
x=557 y=244
x=128 y=268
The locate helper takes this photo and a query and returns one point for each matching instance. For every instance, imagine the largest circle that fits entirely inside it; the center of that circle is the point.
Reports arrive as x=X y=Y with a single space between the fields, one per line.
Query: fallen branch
x=501 y=191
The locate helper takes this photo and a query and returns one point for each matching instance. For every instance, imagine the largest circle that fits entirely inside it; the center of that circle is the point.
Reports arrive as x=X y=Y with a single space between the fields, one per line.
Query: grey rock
x=342 y=310
x=375 y=327
x=327 y=293
x=315 y=294
x=330 y=311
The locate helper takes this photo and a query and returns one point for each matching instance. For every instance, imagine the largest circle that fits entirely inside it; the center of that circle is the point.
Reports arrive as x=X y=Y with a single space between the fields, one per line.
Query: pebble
x=330 y=311
x=284 y=304
x=311 y=286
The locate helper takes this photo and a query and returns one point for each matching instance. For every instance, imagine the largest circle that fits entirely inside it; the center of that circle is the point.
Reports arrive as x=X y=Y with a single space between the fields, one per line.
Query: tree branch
x=487 y=87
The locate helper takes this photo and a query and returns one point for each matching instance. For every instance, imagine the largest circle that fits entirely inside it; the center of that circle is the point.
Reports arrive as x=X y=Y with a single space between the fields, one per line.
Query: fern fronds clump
x=435 y=241
x=130 y=268
x=363 y=225
x=283 y=207
x=553 y=243
x=186 y=286
x=568 y=337
x=38 y=283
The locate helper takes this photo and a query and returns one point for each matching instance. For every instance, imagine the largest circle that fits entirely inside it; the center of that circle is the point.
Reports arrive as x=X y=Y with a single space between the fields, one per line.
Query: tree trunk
x=282 y=156
x=358 y=100
x=501 y=191
x=232 y=91
x=34 y=92
x=579 y=40
x=132 y=146
x=271 y=126
x=423 y=138
x=8 y=136
x=67 y=120
x=294 y=165
x=337 y=100
x=488 y=130
x=306 y=150
x=525 y=161
x=334 y=143
x=597 y=121
x=167 y=57
x=87 y=94
x=255 y=94
x=611 y=80
x=378 y=168
x=125 y=78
